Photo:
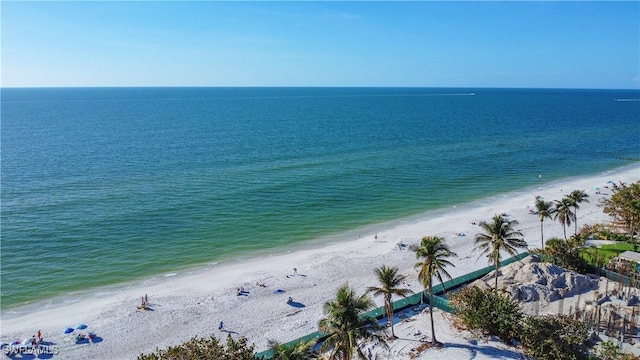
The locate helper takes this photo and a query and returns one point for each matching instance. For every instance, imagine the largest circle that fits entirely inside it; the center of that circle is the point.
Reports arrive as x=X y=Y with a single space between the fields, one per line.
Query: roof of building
x=631 y=256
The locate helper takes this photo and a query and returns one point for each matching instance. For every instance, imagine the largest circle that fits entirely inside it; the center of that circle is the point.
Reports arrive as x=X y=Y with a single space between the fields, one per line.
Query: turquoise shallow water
x=102 y=186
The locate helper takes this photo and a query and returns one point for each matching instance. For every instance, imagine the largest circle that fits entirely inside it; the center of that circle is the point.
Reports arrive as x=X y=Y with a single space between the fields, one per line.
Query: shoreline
x=312 y=244
x=193 y=302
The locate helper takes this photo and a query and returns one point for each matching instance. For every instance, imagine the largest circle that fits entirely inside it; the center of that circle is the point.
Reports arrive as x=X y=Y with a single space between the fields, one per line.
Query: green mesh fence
x=441 y=303
x=404 y=303
x=472 y=276
x=624 y=280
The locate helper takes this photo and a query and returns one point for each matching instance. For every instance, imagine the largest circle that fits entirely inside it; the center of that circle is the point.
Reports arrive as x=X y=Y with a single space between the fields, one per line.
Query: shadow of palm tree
x=229 y=331
x=489 y=351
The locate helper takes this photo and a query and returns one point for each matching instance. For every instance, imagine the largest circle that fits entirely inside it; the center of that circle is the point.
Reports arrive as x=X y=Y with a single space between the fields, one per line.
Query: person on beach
x=39 y=336
x=290 y=300
x=221 y=327
x=295 y=271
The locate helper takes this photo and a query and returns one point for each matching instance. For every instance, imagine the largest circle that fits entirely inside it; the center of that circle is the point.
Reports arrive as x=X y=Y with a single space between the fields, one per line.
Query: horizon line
x=301 y=87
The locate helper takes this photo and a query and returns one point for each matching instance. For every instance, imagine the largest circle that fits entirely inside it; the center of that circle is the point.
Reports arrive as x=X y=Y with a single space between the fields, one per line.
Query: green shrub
x=211 y=349
x=491 y=311
x=553 y=337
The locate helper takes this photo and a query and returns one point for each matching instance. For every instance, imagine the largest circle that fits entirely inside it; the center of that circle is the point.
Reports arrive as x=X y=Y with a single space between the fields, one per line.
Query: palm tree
x=298 y=351
x=576 y=197
x=499 y=235
x=389 y=286
x=434 y=253
x=545 y=210
x=345 y=326
x=563 y=213
x=556 y=250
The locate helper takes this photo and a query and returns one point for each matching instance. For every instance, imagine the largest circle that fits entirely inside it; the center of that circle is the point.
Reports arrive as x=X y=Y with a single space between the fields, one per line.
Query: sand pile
x=530 y=280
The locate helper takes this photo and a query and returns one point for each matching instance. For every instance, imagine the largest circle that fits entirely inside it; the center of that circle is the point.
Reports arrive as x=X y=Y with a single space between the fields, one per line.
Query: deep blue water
x=106 y=185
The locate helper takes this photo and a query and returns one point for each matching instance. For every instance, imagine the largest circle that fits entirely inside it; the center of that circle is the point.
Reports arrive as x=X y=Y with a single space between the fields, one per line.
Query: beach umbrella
x=69 y=330
x=15 y=343
x=81 y=327
x=596 y=188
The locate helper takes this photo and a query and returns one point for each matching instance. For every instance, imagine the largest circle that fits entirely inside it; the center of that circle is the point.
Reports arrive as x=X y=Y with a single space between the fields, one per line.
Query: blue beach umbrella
x=69 y=330
x=81 y=327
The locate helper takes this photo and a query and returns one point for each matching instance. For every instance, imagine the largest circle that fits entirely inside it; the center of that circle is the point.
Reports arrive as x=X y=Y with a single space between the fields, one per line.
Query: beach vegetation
x=567 y=254
x=206 y=348
x=545 y=211
x=491 y=311
x=562 y=212
x=346 y=324
x=499 y=236
x=624 y=206
x=300 y=350
x=594 y=257
x=390 y=284
x=603 y=232
x=555 y=249
x=554 y=337
x=433 y=252
x=608 y=350
x=576 y=197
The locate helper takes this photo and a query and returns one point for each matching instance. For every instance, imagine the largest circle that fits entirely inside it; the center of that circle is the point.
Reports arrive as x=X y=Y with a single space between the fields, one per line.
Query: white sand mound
x=530 y=280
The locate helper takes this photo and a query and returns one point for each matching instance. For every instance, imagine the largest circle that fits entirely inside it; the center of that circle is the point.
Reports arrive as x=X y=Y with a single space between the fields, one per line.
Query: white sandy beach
x=192 y=303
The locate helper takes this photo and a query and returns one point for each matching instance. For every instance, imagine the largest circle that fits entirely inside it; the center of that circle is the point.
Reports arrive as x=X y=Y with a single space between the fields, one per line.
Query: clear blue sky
x=425 y=44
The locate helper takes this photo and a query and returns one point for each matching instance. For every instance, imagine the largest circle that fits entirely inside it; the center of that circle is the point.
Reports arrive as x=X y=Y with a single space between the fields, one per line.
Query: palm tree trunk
x=497 y=267
x=542 y=233
x=389 y=305
x=564 y=230
x=575 y=222
x=433 y=330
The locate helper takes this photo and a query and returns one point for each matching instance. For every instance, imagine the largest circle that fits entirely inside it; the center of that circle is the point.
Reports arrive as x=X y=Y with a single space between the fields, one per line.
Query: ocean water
x=101 y=186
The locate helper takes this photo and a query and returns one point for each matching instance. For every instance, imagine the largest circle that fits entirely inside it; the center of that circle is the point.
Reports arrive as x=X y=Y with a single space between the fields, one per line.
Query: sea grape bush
x=489 y=310
x=202 y=348
x=548 y=337
x=553 y=337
